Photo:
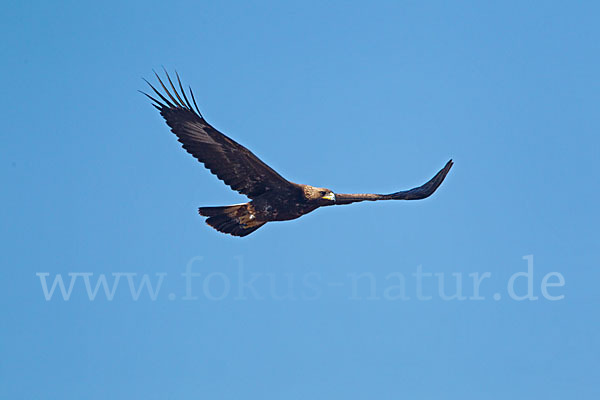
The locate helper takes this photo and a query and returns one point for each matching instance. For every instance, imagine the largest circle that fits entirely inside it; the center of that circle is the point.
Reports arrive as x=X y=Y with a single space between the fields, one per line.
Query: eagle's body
x=283 y=206
x=273 y=198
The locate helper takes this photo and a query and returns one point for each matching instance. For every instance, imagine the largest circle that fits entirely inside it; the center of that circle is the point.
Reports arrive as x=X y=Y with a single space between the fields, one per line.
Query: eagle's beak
x=329 y=196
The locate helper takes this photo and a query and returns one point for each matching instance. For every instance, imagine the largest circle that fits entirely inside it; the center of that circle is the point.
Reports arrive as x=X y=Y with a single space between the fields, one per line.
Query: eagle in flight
x=273 y=198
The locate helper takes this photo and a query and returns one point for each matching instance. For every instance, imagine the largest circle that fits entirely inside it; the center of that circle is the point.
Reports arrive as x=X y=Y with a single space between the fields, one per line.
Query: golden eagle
x=274 y=198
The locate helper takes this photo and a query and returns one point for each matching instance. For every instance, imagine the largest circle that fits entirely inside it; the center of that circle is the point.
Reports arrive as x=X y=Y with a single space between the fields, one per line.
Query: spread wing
x=417 y=193
x=229 y=161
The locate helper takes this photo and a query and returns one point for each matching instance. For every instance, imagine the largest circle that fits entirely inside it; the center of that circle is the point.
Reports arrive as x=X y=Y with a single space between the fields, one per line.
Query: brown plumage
x=273 y=198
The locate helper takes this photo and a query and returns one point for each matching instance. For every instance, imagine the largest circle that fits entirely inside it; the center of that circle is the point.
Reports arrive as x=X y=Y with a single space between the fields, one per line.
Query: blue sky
x=354 y=97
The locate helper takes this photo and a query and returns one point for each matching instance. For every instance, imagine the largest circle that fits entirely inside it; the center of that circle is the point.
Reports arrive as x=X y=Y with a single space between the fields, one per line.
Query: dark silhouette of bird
x=273 y=198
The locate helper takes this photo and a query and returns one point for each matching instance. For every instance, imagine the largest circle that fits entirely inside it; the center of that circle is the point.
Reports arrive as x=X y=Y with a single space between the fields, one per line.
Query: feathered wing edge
x=179 y=102
x=417 y=193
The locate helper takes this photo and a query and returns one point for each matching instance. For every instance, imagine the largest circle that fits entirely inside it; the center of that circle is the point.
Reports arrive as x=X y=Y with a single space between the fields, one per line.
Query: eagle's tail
x=237 y=220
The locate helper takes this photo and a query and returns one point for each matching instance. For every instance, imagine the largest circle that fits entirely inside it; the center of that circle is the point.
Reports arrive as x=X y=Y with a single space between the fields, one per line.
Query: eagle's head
x=320 y=196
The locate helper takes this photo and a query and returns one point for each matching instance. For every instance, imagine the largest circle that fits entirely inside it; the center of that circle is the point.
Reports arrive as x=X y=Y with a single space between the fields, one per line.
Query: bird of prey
x=273 y=198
